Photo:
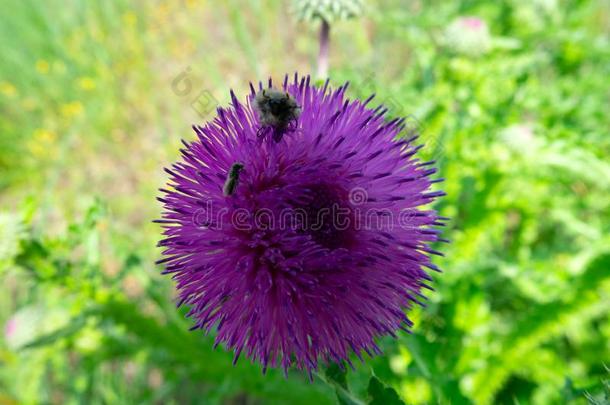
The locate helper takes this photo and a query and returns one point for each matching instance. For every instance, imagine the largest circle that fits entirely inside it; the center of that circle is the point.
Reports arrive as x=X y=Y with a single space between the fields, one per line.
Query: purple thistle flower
x=319 y=246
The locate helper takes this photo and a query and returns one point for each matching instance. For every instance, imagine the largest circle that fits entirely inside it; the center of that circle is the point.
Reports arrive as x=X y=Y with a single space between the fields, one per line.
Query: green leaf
x=604 y=397
x=337 y=378
x=194 y=352
x=541 y=324
x=424 y=354
x=337 y=375
x=69 y=330
x=380 y=394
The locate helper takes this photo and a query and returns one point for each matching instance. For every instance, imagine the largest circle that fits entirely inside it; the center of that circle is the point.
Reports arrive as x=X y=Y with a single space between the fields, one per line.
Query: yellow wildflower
x=42 y=144
x=86 y=83
x=130 y=18
x=72 y=109
x=42 y=66
x=7 y=89
x=44 y=135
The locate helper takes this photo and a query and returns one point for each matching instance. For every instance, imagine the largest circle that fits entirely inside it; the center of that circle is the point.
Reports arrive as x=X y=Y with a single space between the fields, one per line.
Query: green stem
x=324 y=46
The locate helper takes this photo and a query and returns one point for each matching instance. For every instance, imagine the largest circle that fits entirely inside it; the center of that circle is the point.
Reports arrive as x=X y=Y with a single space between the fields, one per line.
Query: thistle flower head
x=328 y=10
x=322 y=244
x=468 y=36
x=23 y=326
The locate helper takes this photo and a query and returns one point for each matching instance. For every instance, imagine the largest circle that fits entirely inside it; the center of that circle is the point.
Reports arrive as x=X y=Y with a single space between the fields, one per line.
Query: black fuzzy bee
x=232 y=179
x=277 y=112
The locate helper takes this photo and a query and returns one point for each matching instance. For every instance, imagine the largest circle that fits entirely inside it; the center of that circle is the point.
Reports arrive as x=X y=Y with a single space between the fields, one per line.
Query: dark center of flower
x=326 y=216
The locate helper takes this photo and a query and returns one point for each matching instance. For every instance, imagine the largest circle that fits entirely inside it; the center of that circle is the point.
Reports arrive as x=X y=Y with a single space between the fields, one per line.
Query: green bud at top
x=328 y=10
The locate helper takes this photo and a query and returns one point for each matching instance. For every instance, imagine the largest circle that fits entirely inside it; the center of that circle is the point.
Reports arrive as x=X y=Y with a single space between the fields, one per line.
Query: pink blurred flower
x=468 y=36
x=10 y=328
x=473 y=23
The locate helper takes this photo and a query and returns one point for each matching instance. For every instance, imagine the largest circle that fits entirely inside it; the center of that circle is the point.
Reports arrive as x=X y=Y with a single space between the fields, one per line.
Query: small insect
x=232 y=179
x=277 y=112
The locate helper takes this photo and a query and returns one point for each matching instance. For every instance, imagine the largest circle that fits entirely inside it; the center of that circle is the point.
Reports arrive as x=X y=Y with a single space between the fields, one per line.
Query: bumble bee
x=232 y=179
x=277 y=111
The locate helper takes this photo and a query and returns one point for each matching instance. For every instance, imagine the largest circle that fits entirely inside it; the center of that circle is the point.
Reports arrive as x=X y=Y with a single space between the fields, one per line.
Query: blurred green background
x=510 y=97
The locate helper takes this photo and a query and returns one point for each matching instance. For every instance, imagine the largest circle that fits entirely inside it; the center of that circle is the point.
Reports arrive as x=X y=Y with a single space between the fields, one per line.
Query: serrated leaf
x=380 y=394
x=541 y=324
